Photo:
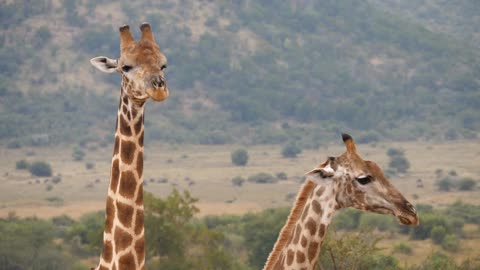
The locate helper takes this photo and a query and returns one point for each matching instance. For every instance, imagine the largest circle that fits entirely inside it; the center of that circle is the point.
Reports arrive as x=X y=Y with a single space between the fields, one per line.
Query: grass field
x=206 y=171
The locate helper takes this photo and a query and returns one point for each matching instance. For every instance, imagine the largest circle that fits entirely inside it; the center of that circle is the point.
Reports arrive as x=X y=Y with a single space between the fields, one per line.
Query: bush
x=40 y=168
x=22 y=165
x=466 y=184
x=78 y=154
x=438 y=234
x=451 y=243
x=291 y=151
x=56 y=179
x=240 y=157
x=89 y=165
x=238 y=181
x=403 y=249
x=399 y=163
x=262 y=178
x=282 y=176
x=444 y=184
x=392 y=152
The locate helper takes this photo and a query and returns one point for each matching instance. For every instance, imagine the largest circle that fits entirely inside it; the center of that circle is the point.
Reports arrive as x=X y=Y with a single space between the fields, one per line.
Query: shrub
x=403 y=249
x=89 y=165
x=262 y=178
x=392 y=152
x=451 y=243
x=438 y=234
x=466 y=184
x=14 y=144
x=282 y=176
x=78 y=154
x=399 y=163
x=40 y=168
x=22 y=165
x=240 y=157
x=238 y=181
x=291 y=151
x=56 y=179
x=444 y=184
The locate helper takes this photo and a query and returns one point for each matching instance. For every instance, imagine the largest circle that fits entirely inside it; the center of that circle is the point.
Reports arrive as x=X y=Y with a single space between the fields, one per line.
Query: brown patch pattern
x=312 y=250
x=138 y=125
x=320 y=191
x=125 y=214
x=140 y=249
x=317 y=208
x=139 y=222
x=321 y=230
x=122 y=239
x=125 y=127
x=140 y=164
x=128 y=184
x=110 y=215
x=107 y=251
x=304 y=241
x=126 y=262
x=290 y=255
x=311 y=225
x=128 y=152
x=300 y=257
x=115 y=175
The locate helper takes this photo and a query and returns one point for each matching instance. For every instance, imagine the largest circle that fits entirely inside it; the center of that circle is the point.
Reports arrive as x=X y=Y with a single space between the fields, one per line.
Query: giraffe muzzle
x=159 y=91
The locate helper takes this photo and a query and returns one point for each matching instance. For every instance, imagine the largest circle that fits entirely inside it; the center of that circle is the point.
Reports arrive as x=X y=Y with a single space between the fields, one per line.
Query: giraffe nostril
x=158 y=82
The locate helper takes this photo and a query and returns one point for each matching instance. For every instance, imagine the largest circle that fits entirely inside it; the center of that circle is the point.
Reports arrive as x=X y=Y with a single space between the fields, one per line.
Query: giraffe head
x=141 y=65
x=361 y=184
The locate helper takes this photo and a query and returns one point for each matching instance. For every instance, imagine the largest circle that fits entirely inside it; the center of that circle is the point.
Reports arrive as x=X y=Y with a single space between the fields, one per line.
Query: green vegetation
x=398 y=162
x=238 y=181
x=262 y=178
x=22 y=165
x=178 y=240
x=239 y=157
x=291 y=151
x=306 y=68
x=40 y=168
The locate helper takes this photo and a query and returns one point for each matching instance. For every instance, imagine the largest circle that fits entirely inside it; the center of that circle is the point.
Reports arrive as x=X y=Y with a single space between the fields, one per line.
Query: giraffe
x=141 y=66
x=339 y=182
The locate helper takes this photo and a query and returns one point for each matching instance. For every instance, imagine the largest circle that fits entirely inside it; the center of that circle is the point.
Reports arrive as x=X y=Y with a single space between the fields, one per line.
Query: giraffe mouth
x=158 y=93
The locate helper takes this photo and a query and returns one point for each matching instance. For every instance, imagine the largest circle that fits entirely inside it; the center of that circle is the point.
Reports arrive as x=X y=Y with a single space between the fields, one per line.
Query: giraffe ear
x=324 y=170
x=104 y=64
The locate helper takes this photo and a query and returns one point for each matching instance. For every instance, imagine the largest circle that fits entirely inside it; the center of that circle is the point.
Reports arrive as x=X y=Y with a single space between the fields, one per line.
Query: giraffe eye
x=126 y=68
x=363 y=180
x=163 y=67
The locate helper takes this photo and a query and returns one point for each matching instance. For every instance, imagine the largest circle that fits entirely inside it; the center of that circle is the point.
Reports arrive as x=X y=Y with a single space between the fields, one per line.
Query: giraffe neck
x=300 y=240
x=123 y=237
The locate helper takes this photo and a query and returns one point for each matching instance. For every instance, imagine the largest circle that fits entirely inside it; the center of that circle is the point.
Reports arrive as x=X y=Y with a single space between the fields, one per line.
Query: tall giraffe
x=339 y=182
x=141 y=65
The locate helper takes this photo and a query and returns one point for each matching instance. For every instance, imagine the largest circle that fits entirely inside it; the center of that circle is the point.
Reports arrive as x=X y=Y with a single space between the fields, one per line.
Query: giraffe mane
x=289 y=226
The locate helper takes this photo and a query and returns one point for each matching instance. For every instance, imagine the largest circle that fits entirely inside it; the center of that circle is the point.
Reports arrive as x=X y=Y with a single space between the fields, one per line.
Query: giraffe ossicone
x=141 y=65
x=339 y=182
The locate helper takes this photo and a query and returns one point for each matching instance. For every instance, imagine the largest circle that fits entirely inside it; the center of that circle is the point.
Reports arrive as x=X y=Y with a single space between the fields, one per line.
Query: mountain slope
x=286 y=70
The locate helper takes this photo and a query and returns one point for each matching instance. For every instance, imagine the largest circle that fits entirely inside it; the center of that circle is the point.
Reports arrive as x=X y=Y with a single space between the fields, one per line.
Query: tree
x=291 y=150
x=445 y=184
x=466 y=184
x=40 y=168
x=238 y=181
x=239 y=157
x=437 y=234
x=399 y=164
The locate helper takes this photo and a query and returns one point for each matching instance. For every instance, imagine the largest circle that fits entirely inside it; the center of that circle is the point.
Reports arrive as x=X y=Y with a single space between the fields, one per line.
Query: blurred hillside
x=246 y=72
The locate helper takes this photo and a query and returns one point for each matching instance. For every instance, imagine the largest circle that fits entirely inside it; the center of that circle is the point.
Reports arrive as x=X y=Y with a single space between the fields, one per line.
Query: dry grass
x=210 y=168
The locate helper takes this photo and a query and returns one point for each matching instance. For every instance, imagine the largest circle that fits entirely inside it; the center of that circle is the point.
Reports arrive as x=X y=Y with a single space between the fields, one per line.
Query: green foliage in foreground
x=176 y=240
